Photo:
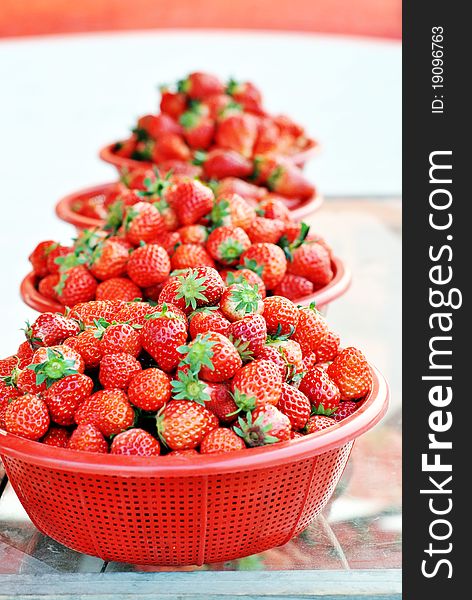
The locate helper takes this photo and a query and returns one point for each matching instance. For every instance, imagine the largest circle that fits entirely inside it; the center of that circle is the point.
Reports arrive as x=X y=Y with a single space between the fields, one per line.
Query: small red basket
x=180 y=510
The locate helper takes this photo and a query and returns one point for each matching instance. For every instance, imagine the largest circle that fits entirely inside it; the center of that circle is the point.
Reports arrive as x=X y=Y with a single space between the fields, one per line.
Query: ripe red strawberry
x=295 y=405
x=275 y=207
x=118 y=288
x=272 y=352
x=7 y=394
x=191 y=200
x=220 y=163
x=318 y=423
x=26 y=382
x=249 y=334
x=199 y=86
x=312 y=261
x=310 y=362
x=65 y=396
x=214 y=355
x=38 y=258
x=172 y=103
x=148 y=265
x=169 y=240
x=329 y=348
x=292 y=355
x=170 y=146
x=266 y=230
x=237 y=132
x=7 y=365
x=24 y=354
x=125 y=148
x=135 y=442
x=321 y=391
x=232 y=210
x=268 y=137
x=57 y=436
x=182 y=424
x=196 y=287
x=117 y=370
x=294 y=287
x=47 y=286
x=184 y=453
x=216 y=104
x=232 y=185
x=350 y=371
x=246 y=94
x=162 y=334
x=88 y=346
x=257 y=383
x=240 y=300
x=108 y=410
x=55 y=253
x=311 y=330
x=226 y=244
x=345 y=410
x=87 y=438
x=283 y=178
x=189 y=256
x=239 y=275
x=109 y=260
x=135 y=313
x=120 y=337
x=143 y=223
x=220 y=402
x=281 y=315
x=207 y=319
x=265 y=425
x=154 y=126
x=198 y=129
x=49 y=365
x=76 y=285
x=193 y=234
x=27 y=416
x=221 y=440
x=269 y=260
x=87 y=313
x=50 y=329
x=149 y=389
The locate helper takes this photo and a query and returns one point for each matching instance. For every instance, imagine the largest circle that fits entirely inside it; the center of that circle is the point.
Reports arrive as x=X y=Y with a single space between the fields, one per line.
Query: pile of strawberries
x=158 y=227
x=208 y=369
x=216 y=130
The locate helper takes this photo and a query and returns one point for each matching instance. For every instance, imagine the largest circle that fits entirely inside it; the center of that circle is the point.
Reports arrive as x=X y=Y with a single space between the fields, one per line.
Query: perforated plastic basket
x=184 y=510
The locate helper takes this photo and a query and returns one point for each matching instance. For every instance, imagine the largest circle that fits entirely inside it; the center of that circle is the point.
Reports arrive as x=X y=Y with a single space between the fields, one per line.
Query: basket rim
x=335 y=288
x=368 y=415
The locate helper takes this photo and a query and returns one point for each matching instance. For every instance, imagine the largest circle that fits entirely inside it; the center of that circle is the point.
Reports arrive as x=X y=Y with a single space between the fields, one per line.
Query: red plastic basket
x=179 y=510
x=66 y=212
x=322 y=298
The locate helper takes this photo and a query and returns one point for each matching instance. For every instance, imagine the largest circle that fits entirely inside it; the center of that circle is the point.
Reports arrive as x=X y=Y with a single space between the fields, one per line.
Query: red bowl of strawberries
x=177 y=435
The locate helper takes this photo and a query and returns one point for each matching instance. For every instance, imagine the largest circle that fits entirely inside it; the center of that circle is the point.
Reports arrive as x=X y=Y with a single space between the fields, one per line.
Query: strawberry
x=288 y=180
x=125 y=148
x=88 y=346
x=47 y=286
x=7 y=365
x=88 y=312
x=24 y=354
x=239 y=300
x=149 y=389
x=26 y=382
x=195 y=287
x=172 y=103
x=237 y=132
x=220 y=402
x=136 y=313
x=143 y=223
x=350 y=371
x=154 y=126
x=27 y=416
x=117 y=370
x=232 y=185
x=198 y=129
x=193 y=234
x=287 y=126
x=311 y=330
x=295 y=405
x=55 y=253
x=191 y=200
x=268 y=137
x=266 y=425
x=182 y=424
x=310 y=361
x=214 y=356
x=55 y=362
x=57 y=436
x=274 y=207
x=226 y=244
x=118 y=288
x=294 y=287
x=50 y=329
x=185 y=453
x=180 y=167
x=64 y=397
x=169 y=240
x=220 y=163
x=318 y=423
x=162 y=334
x=148 y=265
x=232 y=210
x=345 y=410
x=87 y=438
x=120 y=337
x=329 y=348
x=240 y=275
x=108 y=410
x=109 y=260
x=216 y=104
x=140 y=178
x=38 y=258
x=200 y=85
x=266 y=230
x=8 y=392
x=206 y=319
x=221 y=440
x=281 y=315
x=272 y=352
x=312 y=261
x=291 y=354
x=246 y=94
x=257 y=383
x=76 y=285
x=249 y=334
x=321 y=391
x=170 y=146
x=268 y=261
x=189 y=256
x=135 y=442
